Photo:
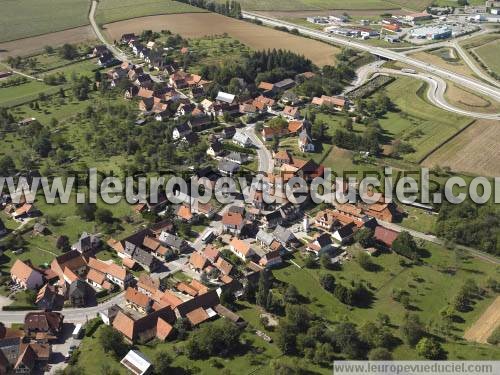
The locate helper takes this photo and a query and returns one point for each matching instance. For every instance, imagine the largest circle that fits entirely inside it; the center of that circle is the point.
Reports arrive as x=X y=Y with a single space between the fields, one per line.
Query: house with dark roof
x=79 y=293
x=322 y=243
x=49 y=323
x=87 y=243
x=228 y=168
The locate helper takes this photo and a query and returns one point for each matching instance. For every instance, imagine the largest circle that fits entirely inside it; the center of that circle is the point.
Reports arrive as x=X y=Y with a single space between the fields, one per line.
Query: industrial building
x=431 y=32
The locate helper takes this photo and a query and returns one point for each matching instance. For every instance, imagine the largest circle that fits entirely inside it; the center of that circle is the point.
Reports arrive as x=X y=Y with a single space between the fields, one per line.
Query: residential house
x=109 y=314
x=242 y=140
x=385 y=236
x=87 y=243
x=381 y=211
x=272 y=219
x=197 y=261
x=305 y=141
x=228 y=168
x=46 y=297
x=190 y=139
x=264 y=104
x=322 y=243
x=271 y=259
x=180 y=131
x=45 y=322
x=283 y=85
x=127 y=38
x=233 y=222
x=266 y=87
x=211 y=253
x=285 y=237
x=215 y=149
x=282 y=157
x=196 y=92
x=290 y=98
x=184 y=213
x=237 y=157
x=291 y=113
x=25 y=276
x=223 y=266
x=241 y=249
x=295 y=127
x=174 y=242
x=345 y=233
x=228 y=132
x=248 y=109
x=199 y=123
x=79 y=293
x=269 y=133
x=338 y=103
x=138 y=301
x=112 y=272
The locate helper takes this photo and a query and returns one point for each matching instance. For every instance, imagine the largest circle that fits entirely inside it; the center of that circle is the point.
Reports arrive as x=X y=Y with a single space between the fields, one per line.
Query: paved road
x=431 y=238
x=468 y=82
x=120 y=55
x=72 y=315
x=266 y=161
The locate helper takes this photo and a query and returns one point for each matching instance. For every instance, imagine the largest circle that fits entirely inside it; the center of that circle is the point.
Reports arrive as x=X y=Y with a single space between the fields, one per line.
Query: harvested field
x=488 y=53
x=476 y=151
x=34 y=44
x=485 y=325
x=196 y=25
x=301 y=5
x=462 y=98
x=310 y=13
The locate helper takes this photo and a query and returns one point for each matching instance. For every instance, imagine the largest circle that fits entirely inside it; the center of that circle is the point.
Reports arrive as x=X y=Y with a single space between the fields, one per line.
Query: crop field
x=117 y=10
x=25 y=18
x=489 y=54
x=36 y=44
x=196 y=25
x=300 y=5
x=418 y=122
x=486 y=324
x=476 y=150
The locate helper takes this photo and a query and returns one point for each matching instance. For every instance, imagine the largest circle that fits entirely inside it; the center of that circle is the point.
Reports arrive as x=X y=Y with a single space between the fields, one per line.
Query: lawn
x=25 y=18
x=17 y=94
x=117 y=10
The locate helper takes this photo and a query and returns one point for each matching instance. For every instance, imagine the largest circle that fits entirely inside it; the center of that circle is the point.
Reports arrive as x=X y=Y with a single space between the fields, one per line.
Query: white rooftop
x=136 y=362
x=225 y=97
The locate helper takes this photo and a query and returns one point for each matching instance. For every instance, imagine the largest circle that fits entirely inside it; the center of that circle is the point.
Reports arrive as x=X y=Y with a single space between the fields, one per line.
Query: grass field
x=196 y=25
x=488 y=53
x=418 y=122
x=474 y=151
x=117 y=10
x=25 y=18
x=485 y=325
x=461 y=97
x=446 y=58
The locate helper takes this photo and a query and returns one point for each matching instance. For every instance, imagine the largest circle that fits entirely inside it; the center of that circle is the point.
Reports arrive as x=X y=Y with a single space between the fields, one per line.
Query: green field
x=117 y=10
x=418 y=122
x=25 y=18
x=299 y=5
x=489 y=54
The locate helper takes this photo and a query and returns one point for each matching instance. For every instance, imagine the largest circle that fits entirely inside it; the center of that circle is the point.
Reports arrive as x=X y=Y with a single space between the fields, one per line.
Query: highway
x=468 y=82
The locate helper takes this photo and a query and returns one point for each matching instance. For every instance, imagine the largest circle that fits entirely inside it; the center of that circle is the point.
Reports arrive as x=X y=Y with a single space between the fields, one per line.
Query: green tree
x=162 y=362
x=380 y=354
x=112 y=341
x=364 y=237
x=429 y=348
x=405 y=245
x=327 y=281
x=103 y=216
x=412 y=329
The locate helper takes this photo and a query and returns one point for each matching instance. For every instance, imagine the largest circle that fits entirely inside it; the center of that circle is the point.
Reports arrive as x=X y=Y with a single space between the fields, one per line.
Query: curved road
x=383 y=52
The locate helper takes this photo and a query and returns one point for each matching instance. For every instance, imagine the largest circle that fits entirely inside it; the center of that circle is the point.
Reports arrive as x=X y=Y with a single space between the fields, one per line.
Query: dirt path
x=485 y=325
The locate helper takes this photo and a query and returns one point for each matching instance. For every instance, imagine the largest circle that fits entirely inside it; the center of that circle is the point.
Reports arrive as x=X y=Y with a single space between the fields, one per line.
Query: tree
x=7 y=166
x=161 y=362
x=219 y=338
x=327 y=281
x=380 y=354
x=405 y=245
x=263 y=286
x=227 y=298
x=68 y=51
x=365 y=261
x=347 y=340
x=429 y=348
x=310 y=261
x=376 y=335
x=112 y=341
x=62 y=242
x=326 y=261
x=412 y=329
x=86 y=211
x=364 y=237
x=103 y=216
x=292 y=294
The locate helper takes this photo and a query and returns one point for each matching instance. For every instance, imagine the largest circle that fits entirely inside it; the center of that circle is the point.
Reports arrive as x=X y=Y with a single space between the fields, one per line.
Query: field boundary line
x=450 y=138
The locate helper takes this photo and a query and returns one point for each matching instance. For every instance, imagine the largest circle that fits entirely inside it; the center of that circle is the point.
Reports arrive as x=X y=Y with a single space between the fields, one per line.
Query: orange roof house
x=197 y=316
x=184 y=213
x=25 y=275
x=198 y=261
x=241 y=248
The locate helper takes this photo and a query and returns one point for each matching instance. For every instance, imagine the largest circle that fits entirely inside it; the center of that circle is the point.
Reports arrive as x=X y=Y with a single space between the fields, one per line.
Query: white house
x=242 y=139
x=241 y=249
x=181 y=131
x=225 y=97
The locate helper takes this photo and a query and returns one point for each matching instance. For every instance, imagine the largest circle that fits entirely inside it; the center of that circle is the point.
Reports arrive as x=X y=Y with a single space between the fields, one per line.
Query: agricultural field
x=446 y=58
x=196 y=25
x=475 y=151
x=36 y=44
x=488 y=53
x=307 y=5
x=27 y=18
x=118 y=10
x=485 y=325
x=416 y=121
